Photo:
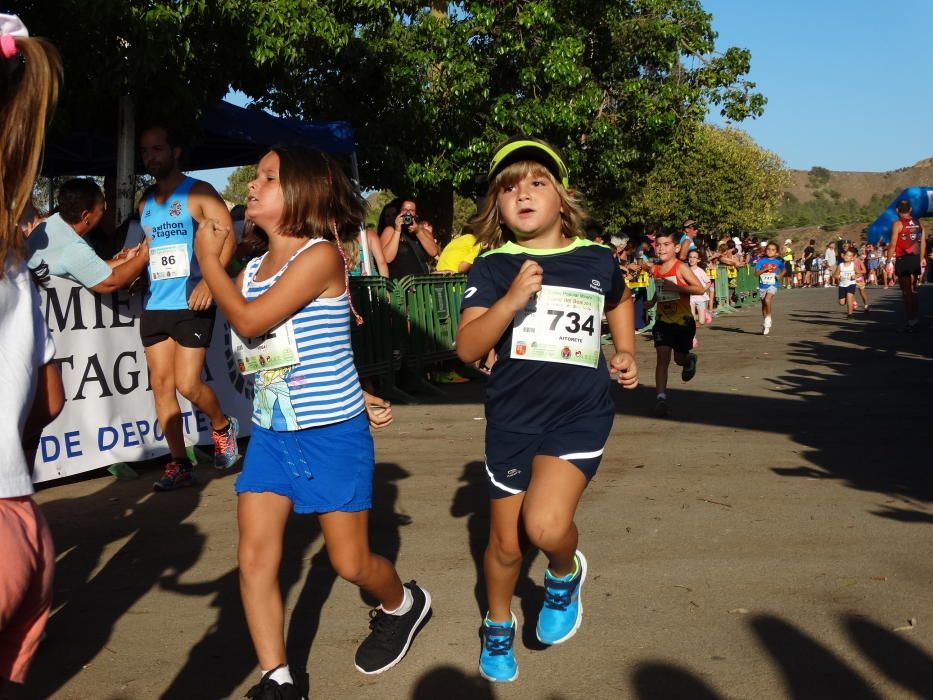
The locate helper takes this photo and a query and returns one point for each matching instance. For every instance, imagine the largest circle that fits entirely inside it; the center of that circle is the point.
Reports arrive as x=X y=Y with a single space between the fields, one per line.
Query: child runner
x=698 y=302
x=846 y=273
x=674 y=327
x=311 y=450
x=537 y=296
x=33 y=395
x=768 y=269
x=860 y=273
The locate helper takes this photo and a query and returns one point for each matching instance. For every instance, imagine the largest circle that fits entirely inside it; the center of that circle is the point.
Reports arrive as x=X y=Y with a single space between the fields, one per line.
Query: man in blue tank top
x=178 y=314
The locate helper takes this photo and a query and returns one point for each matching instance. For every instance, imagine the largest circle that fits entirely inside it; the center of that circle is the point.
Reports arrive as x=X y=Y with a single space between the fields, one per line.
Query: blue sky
x=846 y=80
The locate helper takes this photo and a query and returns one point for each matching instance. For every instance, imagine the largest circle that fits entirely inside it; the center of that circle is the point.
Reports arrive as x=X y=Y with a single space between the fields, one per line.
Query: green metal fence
x=413 y=321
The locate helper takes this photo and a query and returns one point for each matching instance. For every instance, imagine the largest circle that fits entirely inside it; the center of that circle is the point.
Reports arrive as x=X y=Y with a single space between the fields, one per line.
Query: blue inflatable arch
x=921 y=201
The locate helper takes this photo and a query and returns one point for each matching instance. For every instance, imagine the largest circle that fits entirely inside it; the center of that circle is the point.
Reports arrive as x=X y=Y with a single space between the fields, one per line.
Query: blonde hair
x=28 y=97
x=491 y=231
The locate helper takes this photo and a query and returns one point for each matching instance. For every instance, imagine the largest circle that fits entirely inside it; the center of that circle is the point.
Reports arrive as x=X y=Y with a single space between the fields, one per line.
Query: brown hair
x=491 y=231
x=28 y=95
x=903 y=207
x=317 y=196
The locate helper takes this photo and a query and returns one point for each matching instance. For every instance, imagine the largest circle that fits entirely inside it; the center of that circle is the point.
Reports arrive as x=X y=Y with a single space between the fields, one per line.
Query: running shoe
x=391 y=635
x=225 y=447
x=451 y=378
x=497 y=657
x=562 y=612
x=660 y=407
x=177 y=475
x=268 y=689
x=690 y=369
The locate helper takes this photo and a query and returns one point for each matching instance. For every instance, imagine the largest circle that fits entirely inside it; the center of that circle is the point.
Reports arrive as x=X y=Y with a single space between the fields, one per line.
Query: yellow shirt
x=462 y=249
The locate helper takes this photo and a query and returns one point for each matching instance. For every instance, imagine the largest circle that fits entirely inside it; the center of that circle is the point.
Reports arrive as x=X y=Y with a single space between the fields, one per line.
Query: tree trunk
x=437 y=206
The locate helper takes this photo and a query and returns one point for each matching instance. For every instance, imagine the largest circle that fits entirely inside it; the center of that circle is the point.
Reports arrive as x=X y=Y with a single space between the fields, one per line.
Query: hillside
x=860 y=186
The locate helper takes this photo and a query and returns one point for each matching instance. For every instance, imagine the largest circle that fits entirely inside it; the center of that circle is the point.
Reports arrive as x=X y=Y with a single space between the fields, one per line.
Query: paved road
x=771 y=539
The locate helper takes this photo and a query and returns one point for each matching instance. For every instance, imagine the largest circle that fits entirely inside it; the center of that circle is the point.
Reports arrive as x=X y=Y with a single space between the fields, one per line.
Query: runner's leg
x=502 y=562
x=189 y=364
x=661 y=369
x=550 y=504
x=261 y=518
x=161 y=360
x=346 y=536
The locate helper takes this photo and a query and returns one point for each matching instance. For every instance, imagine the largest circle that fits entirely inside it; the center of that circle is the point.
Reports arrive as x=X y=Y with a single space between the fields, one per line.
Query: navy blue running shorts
x=321 y=470
x=509 y=455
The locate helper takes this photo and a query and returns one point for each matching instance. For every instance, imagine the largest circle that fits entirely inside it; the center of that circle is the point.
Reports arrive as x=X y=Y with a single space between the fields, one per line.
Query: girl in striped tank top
x=311 y=450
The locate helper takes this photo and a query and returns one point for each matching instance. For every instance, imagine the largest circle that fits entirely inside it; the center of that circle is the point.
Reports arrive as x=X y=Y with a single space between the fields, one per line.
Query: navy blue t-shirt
x=528 y=396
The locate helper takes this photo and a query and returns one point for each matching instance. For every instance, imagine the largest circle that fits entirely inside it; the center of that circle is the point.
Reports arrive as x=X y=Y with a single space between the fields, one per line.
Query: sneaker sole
x=411 y=636
x=498 y=680
x=579 y=621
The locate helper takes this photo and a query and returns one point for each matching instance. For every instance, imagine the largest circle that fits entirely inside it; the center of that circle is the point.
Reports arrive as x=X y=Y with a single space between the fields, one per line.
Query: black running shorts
x=907 y=265
x=190 y=329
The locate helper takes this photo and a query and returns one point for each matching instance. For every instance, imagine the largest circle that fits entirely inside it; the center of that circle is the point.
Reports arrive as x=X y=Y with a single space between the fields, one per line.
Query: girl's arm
x=375 y=245
x=390 y=237
x=621 y=318
x=480 y=328
x=316 y=272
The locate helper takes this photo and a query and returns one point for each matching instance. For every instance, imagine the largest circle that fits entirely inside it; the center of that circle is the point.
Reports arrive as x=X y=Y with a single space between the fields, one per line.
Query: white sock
x=768 y=321
x=662 y=395
x=281 y=675
x=404 y=607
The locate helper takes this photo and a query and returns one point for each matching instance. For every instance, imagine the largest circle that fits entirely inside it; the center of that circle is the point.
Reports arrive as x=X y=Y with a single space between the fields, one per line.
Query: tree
x=719 y=177
x=236 y=189
x=430 y=87
x=611 y=82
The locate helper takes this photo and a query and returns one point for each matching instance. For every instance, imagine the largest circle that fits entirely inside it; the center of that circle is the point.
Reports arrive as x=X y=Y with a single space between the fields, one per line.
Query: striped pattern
x=324 y=388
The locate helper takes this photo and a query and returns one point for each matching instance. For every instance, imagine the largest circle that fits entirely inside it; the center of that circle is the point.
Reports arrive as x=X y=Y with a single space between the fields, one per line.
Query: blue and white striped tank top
x=323 y=388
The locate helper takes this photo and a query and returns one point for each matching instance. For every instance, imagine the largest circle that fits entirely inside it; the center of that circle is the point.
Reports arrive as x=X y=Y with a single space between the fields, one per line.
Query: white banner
x=109 y=413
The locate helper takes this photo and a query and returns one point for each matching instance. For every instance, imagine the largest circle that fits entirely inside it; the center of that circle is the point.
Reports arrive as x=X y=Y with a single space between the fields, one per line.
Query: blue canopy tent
x=921 y=202
x=230 y=136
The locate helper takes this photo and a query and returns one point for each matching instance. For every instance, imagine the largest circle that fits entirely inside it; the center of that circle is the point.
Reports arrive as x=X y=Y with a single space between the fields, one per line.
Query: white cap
x=787 y=242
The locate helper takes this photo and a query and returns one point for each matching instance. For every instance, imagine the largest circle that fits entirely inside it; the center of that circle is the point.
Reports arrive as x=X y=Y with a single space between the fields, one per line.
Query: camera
x=408 y=219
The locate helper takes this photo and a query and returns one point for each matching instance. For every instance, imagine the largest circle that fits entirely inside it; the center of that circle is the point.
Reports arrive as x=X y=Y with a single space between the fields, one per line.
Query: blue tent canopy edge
x=230 y=136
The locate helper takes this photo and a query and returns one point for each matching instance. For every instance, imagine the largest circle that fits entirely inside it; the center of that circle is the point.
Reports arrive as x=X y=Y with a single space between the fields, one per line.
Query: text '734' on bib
x=560 y=324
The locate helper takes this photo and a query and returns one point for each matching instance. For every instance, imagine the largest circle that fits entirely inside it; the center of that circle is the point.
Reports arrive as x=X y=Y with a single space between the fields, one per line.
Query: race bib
x=168 y=262
x=665 y=295
x=272 y=350
x=768 y=279
x=846 y=277
x=561 y=325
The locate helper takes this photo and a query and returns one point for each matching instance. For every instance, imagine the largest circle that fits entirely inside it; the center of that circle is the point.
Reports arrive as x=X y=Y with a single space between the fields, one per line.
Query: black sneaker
x=690 y=369
x=391 y=635
x=268 y=689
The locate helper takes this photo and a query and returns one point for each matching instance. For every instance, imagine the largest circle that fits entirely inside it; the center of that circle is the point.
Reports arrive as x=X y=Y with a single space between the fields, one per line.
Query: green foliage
x=719 y=177
x=236 y=189
x=818 y=177
x=430 y=87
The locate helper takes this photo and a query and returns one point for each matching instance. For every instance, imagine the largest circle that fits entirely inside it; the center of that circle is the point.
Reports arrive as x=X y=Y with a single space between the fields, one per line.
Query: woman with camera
x=408 y=244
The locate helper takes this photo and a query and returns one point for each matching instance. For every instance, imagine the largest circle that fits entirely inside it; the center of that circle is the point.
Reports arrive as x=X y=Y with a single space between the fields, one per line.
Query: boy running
x=674 y=327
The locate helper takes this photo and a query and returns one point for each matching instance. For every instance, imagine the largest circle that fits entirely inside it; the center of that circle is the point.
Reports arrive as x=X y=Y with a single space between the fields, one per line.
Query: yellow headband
x=517 y=151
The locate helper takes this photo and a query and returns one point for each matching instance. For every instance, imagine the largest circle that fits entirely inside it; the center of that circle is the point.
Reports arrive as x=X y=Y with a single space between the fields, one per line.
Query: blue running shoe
x=497 y=657
x=562 y=613
x=225 y=447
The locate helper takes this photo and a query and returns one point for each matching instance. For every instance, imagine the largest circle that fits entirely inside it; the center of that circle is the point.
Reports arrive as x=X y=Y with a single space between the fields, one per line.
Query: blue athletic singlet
x=173 y=268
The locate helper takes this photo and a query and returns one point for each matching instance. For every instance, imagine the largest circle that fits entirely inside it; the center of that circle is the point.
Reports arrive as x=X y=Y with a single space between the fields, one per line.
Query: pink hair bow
x=10 y=26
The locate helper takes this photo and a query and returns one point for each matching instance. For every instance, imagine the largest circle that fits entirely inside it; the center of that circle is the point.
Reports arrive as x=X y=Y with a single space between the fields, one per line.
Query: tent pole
x=364 y=239
x=125 y=160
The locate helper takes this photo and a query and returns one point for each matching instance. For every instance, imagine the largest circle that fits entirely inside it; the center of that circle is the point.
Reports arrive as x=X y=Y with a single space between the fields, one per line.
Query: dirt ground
x=771 y=539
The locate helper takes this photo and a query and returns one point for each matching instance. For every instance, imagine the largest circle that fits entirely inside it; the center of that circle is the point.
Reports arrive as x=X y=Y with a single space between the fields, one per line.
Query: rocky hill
x=859 y=186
